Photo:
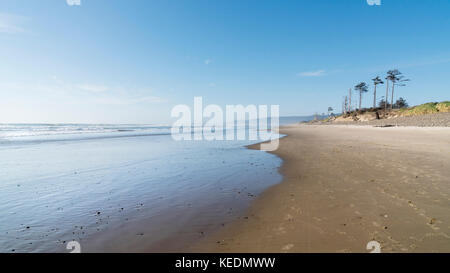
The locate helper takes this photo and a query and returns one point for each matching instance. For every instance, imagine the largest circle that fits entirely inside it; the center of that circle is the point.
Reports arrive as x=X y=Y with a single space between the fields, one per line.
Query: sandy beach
x=344 y=186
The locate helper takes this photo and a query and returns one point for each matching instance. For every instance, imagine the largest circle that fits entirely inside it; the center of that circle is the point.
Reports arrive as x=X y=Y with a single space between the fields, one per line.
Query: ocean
x=121 y=187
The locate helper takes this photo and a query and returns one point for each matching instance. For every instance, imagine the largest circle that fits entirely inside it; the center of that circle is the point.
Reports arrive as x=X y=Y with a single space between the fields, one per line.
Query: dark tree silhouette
x=330 y=110
x=376 y=82
x=401 y=103
x=361 y=88
x=383 y=104
x=397 y=79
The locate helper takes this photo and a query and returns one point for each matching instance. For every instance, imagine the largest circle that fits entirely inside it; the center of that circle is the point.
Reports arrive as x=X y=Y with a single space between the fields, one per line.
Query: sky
x=119 y=61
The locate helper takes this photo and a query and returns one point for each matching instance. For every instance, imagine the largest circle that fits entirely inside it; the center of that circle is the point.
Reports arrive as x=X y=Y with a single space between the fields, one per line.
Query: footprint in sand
x=280 y=230
x=432 y=223
x=297 y=210
x=288 y=217
x=341 y=232
x=287 y=247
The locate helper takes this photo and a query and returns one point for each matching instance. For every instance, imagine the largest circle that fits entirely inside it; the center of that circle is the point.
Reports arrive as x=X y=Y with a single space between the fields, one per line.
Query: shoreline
x=126 y=194
x=218 y=201
x=349 y=186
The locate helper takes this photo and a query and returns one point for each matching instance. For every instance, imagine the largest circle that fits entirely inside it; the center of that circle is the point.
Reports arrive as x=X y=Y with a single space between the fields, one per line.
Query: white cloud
x=93 y=88
x=73 y=2
x=317 y=73
x=112 y=100
x=56 y=101
x=10 y=23
x=208 y=61
x=76 y=93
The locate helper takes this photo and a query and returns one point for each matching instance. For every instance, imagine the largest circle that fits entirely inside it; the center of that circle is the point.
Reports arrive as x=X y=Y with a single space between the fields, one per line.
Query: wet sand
x=121 y=193
x=345 y=186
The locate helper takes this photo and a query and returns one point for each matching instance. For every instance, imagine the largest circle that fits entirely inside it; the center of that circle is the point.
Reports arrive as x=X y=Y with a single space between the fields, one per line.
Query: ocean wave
x=11 y=133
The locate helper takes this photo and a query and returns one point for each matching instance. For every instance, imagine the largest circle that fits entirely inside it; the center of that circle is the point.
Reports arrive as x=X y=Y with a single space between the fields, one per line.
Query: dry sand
x=345 y=186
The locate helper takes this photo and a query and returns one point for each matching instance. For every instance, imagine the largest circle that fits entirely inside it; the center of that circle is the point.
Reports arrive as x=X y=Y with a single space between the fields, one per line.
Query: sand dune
x=345 y=186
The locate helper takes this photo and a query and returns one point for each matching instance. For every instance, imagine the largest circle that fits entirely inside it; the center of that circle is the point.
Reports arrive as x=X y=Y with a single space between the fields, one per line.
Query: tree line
x=394 y=78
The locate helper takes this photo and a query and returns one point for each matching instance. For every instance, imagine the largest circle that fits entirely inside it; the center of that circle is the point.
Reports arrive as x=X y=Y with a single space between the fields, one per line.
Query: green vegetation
x=443 y=106
x=427 y=108
x=387 y=107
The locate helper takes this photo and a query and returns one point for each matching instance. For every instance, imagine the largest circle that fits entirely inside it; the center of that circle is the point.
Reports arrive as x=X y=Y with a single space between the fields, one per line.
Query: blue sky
x=117 y=61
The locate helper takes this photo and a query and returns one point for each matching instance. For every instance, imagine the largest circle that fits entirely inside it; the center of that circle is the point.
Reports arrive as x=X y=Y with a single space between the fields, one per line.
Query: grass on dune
x=427 y=108
x=443 y=106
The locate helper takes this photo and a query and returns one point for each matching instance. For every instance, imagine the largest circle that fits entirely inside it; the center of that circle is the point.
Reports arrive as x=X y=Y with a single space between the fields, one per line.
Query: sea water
x=121 y=187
